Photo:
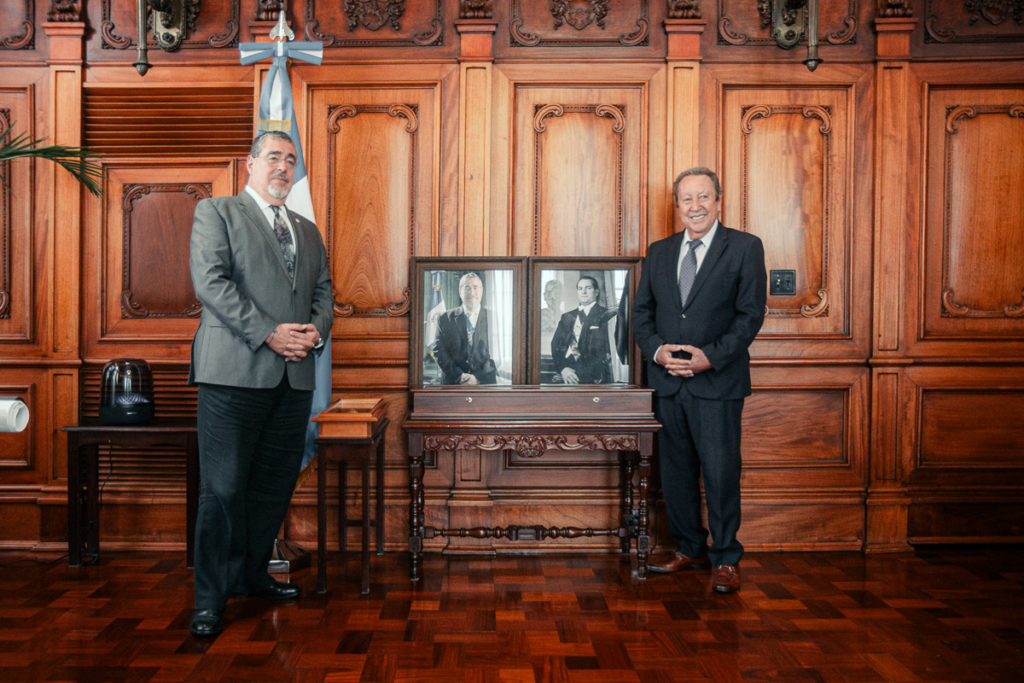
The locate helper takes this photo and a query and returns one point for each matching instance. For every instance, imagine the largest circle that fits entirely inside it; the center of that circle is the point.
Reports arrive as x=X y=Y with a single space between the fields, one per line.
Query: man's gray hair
x=698 y=170
x=259 y=140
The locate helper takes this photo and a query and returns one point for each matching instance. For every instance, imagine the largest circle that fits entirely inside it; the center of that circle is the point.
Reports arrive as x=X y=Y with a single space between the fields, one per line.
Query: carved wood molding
x=374 y=15
x=684 y=9
x=112 y=40
x=268 y=10
x=938 y=28
x=579 y=15
x=895 y=9
x=25 y=40
x=951 y=308
x=751 y=113
x=728 y=35
x=615 y=112
x=131 y=308
x=64 y=10
x=410 y=112
x=476 y=9
x=530 y=445
x=5 y=225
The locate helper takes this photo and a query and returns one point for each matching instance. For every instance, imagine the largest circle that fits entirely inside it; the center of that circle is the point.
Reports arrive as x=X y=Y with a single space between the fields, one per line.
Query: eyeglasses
x=275 y=158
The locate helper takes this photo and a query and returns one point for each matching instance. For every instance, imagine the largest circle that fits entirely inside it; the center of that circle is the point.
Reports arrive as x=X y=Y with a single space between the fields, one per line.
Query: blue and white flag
x=277 y=112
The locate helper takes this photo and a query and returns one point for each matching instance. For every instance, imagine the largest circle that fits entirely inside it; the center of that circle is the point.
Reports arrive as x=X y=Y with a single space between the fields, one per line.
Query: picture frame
x=446 y=345
x=599 y=348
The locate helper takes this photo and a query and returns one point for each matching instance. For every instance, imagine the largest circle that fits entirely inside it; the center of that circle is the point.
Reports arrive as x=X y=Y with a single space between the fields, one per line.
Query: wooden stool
x=360 y=452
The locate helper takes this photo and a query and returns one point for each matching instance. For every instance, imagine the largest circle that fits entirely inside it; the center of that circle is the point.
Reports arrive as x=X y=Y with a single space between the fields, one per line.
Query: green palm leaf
x=74 y=159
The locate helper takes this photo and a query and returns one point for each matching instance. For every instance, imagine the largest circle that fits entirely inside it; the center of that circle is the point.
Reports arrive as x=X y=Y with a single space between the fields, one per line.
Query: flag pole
x=277 y=112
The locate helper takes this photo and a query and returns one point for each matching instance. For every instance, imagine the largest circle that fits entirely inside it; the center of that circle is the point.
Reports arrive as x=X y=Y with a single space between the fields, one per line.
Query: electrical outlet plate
x=782 y=283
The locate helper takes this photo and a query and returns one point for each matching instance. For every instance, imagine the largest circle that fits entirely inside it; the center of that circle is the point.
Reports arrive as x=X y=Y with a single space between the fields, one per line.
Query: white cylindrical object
x=13 y=414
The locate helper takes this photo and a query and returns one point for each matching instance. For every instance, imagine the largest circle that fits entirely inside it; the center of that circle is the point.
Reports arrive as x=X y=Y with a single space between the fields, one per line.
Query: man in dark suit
x=699 y=305
x=580 y=350
x=461 y=348
x=262 y=275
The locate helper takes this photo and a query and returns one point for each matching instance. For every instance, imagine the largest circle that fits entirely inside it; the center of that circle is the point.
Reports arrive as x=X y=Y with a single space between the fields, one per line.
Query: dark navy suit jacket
x=722 y=315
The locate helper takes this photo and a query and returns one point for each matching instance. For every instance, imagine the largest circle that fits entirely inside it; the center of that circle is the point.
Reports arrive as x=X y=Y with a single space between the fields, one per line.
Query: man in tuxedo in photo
x=699 y=305
x=262 y=275
x=580 y=349
x=461 y=349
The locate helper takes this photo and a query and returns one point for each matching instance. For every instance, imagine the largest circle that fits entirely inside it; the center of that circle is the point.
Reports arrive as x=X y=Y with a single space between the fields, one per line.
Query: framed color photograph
x=468 y=325
x=580 y=322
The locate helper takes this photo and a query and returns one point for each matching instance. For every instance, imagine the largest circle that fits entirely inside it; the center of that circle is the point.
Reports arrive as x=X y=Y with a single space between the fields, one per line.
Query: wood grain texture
x=937 y=615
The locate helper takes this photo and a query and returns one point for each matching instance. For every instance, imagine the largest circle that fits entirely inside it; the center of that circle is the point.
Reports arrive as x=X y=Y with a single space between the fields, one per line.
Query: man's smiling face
x=697 y=205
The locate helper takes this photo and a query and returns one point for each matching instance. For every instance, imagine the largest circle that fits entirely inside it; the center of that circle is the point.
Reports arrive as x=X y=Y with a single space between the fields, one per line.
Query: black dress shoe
x=278 y=591
x=205 y=622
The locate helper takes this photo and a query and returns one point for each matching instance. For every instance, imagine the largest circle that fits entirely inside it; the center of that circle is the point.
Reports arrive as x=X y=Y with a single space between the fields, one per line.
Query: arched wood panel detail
x=577 y=166
x=18 y=22
x=138 y=287
x=374 y=151
x=378 y=230
x=155 y=276
x=974 y=234
x=17 y=264
x=787 y=180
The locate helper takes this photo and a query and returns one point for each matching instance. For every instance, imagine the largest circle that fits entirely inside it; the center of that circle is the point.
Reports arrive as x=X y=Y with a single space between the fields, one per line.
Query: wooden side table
x=360 y=452
x=84 y=441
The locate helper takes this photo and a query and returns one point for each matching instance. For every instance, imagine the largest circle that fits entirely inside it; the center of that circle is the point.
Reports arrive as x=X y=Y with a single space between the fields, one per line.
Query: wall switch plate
x=782 y=283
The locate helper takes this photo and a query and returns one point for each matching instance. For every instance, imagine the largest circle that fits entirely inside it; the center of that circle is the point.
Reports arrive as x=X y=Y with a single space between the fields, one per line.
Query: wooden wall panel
x=138 y=291
x=792 y=182
x=18 y=267
x=964 y=293
x=965 y=426
x=974 y=230
x=793 y=157
x=577 y=162
x=19 y=21
x=887 y=391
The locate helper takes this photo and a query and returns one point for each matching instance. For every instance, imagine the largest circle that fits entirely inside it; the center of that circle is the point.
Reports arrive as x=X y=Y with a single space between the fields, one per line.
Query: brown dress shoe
x=675 y=562
x=726 y=578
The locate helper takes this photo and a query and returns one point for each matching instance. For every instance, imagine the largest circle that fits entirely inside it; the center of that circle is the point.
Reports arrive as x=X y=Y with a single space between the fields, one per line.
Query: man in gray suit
x=262 y=275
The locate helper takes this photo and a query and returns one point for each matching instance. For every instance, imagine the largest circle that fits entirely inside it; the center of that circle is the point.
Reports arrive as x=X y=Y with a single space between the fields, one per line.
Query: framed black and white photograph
x=580 y=322
x=468 y=327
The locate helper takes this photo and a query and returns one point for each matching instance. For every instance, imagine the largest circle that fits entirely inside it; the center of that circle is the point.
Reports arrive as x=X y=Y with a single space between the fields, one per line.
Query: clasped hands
x=682 y=367
x=293 y=340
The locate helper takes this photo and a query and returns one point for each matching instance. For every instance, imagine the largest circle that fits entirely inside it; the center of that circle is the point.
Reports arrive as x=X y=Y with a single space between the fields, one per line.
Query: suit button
x=682 y=315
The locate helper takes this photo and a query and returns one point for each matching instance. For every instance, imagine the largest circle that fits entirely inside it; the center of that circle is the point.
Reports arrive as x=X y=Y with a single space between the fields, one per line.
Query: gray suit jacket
x=239 y=276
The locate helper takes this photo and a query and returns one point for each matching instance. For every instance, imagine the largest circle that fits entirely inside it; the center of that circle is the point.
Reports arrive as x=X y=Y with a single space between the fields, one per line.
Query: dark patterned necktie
x=284 y=239
x=688 y=271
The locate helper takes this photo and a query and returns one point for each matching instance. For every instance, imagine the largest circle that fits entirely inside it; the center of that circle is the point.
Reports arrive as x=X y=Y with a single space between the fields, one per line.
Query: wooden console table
x=84 y=441
x=532 y=420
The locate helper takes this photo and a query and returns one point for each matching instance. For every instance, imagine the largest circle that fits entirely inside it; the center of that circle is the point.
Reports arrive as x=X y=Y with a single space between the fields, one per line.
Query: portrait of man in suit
x=580 y=347
x=462 y=344
x=699 y=305
x=262 y=275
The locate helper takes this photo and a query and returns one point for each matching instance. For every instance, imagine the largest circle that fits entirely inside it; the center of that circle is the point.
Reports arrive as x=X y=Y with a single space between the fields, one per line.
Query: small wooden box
x=350 y=417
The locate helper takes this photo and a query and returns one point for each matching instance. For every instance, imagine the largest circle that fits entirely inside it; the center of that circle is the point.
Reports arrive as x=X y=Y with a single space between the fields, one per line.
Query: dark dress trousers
x=701 y=415
x=594 y=363
x=455 y=352
x=253 y=406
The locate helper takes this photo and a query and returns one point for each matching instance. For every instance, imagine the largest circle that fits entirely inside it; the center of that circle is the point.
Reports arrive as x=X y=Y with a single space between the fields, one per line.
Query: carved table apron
x=531 y=421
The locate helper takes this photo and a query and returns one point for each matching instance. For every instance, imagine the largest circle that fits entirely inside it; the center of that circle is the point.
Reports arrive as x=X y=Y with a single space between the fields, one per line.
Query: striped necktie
x=688 y=271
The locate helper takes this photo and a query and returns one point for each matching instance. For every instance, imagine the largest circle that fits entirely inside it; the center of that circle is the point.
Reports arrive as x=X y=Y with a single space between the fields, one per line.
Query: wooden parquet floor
x=942 y=614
